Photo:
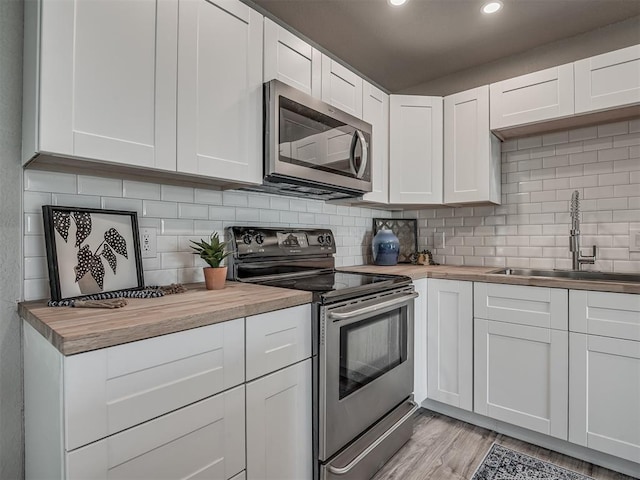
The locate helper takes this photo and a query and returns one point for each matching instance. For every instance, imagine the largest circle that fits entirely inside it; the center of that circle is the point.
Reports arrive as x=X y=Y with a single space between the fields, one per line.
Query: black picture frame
x=406 y=229
x=76 y=266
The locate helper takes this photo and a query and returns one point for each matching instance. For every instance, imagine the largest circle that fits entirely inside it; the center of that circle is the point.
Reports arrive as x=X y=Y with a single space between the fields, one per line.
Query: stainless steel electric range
x=362 y=345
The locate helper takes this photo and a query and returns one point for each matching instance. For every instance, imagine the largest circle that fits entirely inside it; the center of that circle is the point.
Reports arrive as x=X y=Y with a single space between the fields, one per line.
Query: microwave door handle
x=365 y=154
x=358 y=136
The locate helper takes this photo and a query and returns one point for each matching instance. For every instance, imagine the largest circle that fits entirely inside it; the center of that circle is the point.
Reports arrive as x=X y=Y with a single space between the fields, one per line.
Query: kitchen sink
x=572 y=274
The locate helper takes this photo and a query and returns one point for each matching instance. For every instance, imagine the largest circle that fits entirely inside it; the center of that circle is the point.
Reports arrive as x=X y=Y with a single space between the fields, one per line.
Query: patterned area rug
x=502 y=463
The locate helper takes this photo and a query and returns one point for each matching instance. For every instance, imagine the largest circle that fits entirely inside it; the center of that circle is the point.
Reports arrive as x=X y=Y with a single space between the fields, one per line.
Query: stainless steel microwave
x=311 y=148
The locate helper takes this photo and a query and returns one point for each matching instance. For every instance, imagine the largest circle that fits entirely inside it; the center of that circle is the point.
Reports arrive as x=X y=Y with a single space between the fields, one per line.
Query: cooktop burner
x=329 y=285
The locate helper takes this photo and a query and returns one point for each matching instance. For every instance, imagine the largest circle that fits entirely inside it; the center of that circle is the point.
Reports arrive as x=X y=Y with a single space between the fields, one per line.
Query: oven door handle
x=379 y=440
x=371 y=308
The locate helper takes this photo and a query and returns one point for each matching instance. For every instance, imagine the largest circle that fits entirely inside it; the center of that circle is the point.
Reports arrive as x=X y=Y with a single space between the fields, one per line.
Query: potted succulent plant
x=213 y=253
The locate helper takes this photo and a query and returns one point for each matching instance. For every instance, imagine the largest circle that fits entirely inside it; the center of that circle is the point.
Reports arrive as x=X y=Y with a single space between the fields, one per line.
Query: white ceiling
x=400 y=47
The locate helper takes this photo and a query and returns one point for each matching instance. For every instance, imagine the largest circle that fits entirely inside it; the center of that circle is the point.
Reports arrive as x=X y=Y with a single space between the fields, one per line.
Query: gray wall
x=594 y=42
x=11 y=443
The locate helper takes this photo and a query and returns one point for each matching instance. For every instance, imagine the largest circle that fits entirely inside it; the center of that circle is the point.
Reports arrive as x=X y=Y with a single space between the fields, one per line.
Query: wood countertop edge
x=482 y=274
x=81 y=342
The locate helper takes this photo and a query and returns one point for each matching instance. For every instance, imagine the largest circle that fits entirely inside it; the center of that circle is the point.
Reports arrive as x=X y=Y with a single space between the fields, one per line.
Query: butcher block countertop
x=483 y=274
x=77 y=330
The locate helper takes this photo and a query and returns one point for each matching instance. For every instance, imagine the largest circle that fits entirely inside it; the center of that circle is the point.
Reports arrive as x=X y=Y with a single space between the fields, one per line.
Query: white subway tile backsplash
x=35 y=267
x=99 y=186
x=33 y=201
x=583 y=134
x=158 y=209
x=141 y=190
x=209 y=197
x=529 y=142
x=193 y=210
x=33 y=224
x=51 y=182
x=124 y=204
x=555 y=138
x=222 y=213
x=173 y=193
x=176 y=227
x=612 y=129
x=613 y=154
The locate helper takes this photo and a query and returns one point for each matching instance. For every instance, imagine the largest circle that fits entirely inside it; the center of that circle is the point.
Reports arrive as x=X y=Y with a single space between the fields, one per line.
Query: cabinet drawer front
x=538 y=96
x=606 y=314
x=277 y=339
x=112 y=389
x=203 y=440
x=520 y=375
x=604 y=394
x=523 y=305
x=608 y=80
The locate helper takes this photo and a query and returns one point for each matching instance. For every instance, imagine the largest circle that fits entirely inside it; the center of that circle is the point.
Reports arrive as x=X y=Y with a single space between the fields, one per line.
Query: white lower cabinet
x=520 y=375
x=450 y=342
x=604 y=396
x=604 y=372
x=203 y=440
x=279 y=425
x=420 y=341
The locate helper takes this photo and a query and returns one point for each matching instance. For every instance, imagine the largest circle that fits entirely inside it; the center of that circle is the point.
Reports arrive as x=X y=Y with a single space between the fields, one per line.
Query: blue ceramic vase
x=386 y=248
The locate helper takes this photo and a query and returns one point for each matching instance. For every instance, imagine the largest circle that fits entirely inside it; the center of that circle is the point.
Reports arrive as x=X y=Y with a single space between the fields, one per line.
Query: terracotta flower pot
x=214 y=277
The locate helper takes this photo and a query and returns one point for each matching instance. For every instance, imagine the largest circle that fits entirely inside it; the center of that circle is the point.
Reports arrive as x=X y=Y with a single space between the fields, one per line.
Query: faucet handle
x=589 y=259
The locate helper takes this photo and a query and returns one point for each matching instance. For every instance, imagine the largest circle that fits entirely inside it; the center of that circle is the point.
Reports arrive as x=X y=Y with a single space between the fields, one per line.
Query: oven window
x=370 y=348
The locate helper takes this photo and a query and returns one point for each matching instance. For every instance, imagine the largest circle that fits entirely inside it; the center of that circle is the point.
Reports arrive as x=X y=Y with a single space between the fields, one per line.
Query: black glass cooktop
x=340 y=284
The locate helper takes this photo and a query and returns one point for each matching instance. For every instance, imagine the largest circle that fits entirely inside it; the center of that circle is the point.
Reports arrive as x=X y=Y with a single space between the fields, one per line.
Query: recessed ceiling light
x=397 y=3
x=491 y=7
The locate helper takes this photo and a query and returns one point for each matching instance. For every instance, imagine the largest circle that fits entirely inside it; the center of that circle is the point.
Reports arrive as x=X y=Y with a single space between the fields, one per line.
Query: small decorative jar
x=386 y=248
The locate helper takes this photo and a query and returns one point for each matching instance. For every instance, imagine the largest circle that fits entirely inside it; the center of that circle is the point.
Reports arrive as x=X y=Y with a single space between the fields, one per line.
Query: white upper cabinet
x=291 y=60
x=609 y=80
x=471 y=151
x=375 y=110
x=415 y=149
x=220 y=90
x=531 y=98
x=341 y=87
x=101 y=82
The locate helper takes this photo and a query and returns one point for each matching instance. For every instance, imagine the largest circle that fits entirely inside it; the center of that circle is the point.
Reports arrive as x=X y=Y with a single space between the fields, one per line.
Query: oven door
x=366 y=365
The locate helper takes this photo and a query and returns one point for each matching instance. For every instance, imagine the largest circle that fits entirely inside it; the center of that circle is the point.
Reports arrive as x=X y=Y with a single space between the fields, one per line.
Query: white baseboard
x=562 y=446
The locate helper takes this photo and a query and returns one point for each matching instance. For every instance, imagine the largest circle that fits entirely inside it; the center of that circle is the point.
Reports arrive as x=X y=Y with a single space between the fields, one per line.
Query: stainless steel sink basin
x=572 y=274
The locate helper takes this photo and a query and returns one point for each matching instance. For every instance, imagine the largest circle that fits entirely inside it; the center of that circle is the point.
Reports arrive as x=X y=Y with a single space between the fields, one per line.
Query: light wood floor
x=443 y=448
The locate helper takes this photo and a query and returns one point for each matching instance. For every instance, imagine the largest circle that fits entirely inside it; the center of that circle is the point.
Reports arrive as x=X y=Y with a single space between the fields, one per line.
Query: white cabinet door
x=341 y=87
x=605 y=313
x=112 y=389
x=450 y=342
x=277 y=339
x=521 y=375
x=279 y=425
x=522 y=304
x=291 y=60
x=415 y=149
x=375 y=110
x=609 y=80
x=107 y=82
x=471 y=151
x=604 y=395
x=420 y=341
x=203 y=440
x=220 y=90
x=535 y=97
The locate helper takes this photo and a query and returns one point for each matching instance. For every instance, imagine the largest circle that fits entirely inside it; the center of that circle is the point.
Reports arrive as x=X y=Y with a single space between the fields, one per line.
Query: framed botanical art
x=91 y=251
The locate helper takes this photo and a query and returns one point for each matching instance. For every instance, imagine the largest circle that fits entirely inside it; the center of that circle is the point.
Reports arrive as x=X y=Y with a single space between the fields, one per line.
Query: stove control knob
x=328 y=240
x=246 y=238
x=259 y=239
x=321 y=239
